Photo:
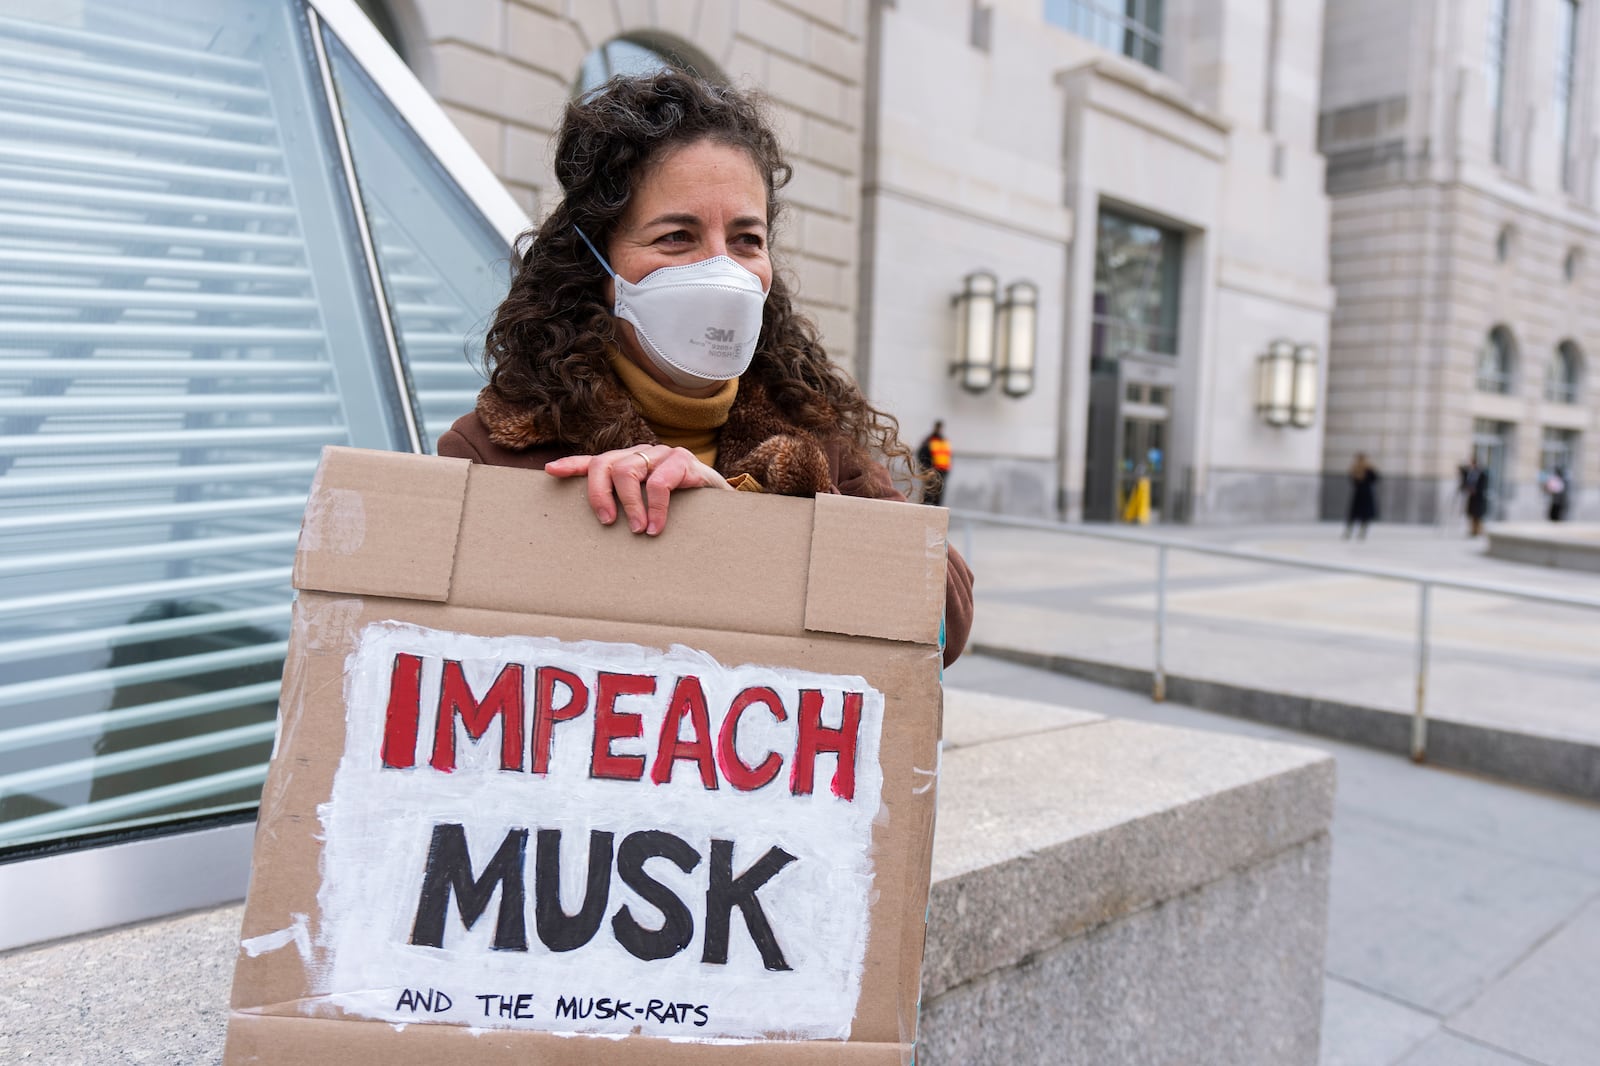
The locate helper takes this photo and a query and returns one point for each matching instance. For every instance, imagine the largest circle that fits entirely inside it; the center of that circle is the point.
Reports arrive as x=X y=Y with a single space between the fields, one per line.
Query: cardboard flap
x=382 y=524
x=889 y=585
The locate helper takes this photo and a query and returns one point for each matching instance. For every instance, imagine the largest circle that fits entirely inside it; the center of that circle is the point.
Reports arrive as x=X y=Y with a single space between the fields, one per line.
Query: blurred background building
x=1462 y=138
x=1132 y=188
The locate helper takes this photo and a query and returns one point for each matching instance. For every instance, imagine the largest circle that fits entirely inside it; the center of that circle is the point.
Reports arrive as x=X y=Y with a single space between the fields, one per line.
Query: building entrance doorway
x=1144 y=456
x=1129 y=440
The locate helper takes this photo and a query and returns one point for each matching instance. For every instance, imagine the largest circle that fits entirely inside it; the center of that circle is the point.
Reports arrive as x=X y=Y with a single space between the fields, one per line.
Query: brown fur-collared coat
x=756 y=440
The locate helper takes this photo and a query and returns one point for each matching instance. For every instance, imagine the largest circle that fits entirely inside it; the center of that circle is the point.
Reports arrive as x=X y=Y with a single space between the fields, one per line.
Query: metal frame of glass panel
x=169 y=321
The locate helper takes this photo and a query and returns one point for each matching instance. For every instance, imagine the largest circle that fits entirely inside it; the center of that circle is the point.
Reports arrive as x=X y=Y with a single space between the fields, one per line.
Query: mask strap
x=595 y=250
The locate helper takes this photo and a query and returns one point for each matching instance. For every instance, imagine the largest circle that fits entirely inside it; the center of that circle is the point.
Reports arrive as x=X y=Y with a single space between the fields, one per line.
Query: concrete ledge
x=1104 y=891
x=1087 y=870
x=1218 y=975
x=1562 y=545
x=1561 y=764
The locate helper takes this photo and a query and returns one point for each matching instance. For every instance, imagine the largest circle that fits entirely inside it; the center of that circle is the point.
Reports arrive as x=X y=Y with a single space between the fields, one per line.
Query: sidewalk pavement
x=1503 y=663
x=1464 y=925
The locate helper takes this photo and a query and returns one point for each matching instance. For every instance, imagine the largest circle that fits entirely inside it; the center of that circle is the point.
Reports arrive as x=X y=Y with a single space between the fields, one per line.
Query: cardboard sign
x=548 y=792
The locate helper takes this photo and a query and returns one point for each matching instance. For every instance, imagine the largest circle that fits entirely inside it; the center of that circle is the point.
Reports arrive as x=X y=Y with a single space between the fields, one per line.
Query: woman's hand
x=641 y=478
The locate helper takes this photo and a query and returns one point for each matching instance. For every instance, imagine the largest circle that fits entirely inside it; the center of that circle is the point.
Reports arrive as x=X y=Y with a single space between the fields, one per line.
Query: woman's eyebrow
x=685 y=218
x=678 y=218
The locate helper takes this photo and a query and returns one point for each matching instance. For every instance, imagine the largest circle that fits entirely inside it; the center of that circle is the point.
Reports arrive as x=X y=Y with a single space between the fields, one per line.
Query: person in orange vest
x=933 y=456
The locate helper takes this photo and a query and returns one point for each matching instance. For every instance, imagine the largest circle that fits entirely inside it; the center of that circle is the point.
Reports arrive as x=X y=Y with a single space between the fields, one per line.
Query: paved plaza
x=1464 y=925
x=1523 y=666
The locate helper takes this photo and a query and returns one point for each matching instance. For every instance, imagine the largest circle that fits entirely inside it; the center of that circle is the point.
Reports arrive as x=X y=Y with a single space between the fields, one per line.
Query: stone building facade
x=1158 y=179
x=504 y=69
x=1150 y=169
x=1462 y=138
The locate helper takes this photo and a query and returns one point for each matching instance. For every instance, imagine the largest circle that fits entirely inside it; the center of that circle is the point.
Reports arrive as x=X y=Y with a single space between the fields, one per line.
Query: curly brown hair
x=549 y=345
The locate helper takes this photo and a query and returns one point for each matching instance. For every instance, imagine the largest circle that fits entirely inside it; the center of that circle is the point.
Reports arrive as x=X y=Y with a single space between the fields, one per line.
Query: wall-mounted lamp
x=975 y=315
x=1016 y=335
x=1286 y=384
x=1305 y=387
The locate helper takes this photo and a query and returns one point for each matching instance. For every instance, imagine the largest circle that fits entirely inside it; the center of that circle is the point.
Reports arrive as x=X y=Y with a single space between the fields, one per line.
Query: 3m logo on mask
x=715 y=335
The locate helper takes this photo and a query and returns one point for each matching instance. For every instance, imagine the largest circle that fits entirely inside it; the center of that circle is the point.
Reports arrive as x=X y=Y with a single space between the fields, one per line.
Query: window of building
x=1561 y=380
x=1505 y=243
x=1494 y=73
x=1491 y=446
x=1559 y=452
x=1130 y=27
x=1571 y=264
x=1566 y=79
x=1497 y=361
x=192 y=313
x=637 y=55
x=383 y=19
x=1136 y=283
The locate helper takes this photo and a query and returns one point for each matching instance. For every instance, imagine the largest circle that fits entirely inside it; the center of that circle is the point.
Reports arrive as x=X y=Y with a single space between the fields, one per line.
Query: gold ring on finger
x=648 y=466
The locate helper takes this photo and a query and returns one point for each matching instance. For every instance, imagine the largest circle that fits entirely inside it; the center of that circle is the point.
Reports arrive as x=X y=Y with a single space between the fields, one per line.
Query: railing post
x=1419 y=723
x=1158 y=685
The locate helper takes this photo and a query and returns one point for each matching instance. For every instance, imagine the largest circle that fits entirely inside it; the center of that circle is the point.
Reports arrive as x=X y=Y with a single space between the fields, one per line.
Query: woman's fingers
x=641 y=479
x=625 y=475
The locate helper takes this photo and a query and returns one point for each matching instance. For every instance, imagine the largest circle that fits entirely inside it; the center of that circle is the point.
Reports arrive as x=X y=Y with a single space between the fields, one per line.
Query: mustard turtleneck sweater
x=678 y=421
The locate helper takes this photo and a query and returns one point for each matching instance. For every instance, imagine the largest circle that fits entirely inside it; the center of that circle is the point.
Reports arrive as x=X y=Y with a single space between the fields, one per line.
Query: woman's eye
x=750 y=240
x=677 y=236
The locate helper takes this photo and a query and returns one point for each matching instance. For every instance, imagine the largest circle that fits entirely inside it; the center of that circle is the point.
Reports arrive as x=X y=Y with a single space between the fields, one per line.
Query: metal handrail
x=1163 y=545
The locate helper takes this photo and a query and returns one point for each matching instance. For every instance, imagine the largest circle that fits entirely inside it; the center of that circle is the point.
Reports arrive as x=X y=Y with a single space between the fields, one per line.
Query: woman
x=647 y=344
x=1363 y=496
x=1475 y=487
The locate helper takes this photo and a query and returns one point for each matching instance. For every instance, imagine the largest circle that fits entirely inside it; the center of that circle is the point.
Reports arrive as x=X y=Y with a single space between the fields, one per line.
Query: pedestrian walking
x=933 y=461
x=1556 y=486
x=1363 y=497
x=1475 y=487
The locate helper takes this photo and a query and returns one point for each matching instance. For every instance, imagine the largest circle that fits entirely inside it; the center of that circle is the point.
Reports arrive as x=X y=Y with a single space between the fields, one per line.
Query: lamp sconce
x=1016 y=334
x=975 y=315
x=1286 y=384
x=995 y=338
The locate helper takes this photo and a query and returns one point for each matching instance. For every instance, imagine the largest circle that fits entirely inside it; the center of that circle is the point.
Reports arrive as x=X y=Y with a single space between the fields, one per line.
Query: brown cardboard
x=837 y=586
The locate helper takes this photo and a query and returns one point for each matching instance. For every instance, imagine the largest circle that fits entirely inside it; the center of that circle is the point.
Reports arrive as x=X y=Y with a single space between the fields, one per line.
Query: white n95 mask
x=698 y=323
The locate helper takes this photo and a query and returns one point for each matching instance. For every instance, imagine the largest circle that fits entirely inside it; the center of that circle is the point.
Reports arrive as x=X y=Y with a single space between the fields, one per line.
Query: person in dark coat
x=933 y=463
x=648 y=346
x=1363 y=496
x=1475 y=487
x=1557 y=486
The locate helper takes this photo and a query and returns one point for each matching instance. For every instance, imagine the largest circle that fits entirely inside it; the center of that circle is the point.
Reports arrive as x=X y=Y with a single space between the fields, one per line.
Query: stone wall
x=1115 y=892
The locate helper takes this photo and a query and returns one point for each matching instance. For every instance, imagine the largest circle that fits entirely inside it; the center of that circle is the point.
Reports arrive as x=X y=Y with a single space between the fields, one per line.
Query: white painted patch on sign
x=690 y=842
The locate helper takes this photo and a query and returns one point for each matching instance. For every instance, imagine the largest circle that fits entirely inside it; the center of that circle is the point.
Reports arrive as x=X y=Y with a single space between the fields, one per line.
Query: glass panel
x=444 y=269
x=185 y=323
x=1136 y=288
